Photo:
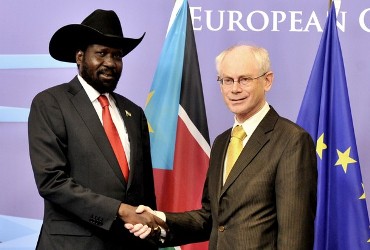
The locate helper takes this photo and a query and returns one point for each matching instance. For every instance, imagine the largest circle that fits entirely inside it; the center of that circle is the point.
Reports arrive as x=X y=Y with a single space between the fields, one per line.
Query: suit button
x=221 y=228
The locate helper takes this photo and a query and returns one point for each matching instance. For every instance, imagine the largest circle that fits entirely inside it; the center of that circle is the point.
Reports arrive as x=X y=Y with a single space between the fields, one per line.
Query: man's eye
x=118 y=56
x=245 y=80
x=228 y=80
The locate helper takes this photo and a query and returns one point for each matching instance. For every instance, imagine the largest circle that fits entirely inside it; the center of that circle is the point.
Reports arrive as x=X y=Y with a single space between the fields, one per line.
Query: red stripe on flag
x=181 y=189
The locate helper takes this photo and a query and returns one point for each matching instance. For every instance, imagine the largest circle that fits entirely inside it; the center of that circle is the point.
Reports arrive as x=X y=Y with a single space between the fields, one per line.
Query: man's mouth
x=238 y=99
x=108 y=75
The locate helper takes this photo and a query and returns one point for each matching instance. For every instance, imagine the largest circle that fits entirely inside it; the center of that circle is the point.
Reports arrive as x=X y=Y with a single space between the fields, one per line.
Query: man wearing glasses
x=260 y=191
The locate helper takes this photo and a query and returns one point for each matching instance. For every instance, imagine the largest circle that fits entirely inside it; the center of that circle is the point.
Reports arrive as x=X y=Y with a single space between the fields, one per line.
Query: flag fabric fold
x=177 y=120
x=342 y=220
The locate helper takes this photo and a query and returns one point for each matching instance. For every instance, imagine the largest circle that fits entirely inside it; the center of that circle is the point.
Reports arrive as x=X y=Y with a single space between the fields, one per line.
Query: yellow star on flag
x=320 y=145
x=344 y=159
x=150 y=95
x=363 y=196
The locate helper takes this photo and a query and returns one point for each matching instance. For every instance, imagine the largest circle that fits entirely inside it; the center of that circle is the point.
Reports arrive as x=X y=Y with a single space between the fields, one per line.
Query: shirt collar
x=92 y=93
x=251 y=123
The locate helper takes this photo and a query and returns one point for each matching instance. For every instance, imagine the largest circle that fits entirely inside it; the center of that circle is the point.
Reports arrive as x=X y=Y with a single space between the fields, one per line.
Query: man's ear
x=269 y=78
x=79 y=56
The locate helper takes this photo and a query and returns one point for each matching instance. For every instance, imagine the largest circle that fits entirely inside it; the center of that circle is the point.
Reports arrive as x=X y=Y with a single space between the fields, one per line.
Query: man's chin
x=109 y=86
x=102 y=85
x=109 y=89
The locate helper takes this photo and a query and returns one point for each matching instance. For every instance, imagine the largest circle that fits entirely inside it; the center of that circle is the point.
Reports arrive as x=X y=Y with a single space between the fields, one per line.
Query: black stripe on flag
x=191 y=97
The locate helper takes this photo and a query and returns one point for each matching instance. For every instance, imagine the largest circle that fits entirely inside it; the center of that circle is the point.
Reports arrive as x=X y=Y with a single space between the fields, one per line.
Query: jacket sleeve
x=295 y=187
x=191 y=226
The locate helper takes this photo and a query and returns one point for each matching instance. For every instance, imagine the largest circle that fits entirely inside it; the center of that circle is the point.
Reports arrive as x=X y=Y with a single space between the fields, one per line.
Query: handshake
x=144 y=222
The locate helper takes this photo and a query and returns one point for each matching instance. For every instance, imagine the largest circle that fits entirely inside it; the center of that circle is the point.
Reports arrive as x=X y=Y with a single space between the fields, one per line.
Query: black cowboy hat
x=100 y=27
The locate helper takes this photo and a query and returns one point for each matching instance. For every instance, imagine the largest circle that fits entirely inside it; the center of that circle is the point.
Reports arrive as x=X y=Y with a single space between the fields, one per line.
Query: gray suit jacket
x=268 y=200
x=78 y=175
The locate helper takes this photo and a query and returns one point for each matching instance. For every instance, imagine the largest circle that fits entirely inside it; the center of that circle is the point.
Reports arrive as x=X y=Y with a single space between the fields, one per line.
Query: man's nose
x=109 y=60
x=236 y=86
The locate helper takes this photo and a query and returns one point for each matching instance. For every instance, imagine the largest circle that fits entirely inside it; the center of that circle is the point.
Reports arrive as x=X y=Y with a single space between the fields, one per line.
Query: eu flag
x=342 y=220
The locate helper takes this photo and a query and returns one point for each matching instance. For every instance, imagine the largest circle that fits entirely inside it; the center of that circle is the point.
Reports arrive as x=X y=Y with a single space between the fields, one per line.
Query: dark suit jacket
x=78 y=175
x=268 y=200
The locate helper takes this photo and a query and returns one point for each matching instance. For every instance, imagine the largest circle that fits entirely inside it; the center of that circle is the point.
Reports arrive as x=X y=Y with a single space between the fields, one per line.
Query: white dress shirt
x=116 y=116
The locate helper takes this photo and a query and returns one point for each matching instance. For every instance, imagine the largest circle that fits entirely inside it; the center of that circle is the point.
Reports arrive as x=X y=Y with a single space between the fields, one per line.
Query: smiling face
x=243 y=100
x=100 y=66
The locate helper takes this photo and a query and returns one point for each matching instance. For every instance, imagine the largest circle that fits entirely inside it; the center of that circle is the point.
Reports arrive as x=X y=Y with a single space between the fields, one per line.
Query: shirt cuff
x=162 y=216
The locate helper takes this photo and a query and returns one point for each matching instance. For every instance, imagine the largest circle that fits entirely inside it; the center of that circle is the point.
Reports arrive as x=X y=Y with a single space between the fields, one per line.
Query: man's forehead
x=102 y=45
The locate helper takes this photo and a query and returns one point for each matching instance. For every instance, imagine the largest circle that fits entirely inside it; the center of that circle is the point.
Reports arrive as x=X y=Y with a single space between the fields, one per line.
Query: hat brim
x=69 y=39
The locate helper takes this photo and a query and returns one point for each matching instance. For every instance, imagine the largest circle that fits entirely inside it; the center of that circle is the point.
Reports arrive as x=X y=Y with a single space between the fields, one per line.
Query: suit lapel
x=82 y=104
x=258 y=140
x=217 y=160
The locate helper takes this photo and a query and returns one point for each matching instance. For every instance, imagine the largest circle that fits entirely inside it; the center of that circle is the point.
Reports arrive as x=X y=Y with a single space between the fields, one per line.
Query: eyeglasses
x=244 y=80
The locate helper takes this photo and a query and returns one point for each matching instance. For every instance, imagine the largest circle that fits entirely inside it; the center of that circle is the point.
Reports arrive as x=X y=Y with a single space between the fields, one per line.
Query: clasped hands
x=142 y=221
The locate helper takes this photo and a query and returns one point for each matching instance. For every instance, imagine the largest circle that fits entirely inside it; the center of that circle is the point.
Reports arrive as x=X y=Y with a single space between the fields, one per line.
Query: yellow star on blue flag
x=344 y=159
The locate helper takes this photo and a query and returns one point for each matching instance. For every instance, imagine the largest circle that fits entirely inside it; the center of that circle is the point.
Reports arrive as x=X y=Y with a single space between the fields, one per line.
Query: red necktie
x=113 y=136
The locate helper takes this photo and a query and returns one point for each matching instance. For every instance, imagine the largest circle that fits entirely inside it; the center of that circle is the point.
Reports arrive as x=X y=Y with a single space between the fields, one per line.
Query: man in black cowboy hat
x=89 y=147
